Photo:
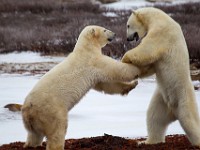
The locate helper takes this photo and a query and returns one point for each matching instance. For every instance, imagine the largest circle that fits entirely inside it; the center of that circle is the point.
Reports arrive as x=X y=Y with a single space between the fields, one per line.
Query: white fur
x=164 y=50
x=45 y=110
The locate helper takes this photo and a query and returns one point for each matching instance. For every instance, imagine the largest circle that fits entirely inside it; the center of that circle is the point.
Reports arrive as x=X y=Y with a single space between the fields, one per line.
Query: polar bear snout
x=133 y=37
x=112 y=36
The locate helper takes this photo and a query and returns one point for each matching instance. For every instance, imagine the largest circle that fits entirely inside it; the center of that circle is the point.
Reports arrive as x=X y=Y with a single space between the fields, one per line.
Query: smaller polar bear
x=163 y=49
x=46 y=107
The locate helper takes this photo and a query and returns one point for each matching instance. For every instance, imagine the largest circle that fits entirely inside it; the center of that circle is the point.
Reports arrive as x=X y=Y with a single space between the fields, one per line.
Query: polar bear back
x=69 y=81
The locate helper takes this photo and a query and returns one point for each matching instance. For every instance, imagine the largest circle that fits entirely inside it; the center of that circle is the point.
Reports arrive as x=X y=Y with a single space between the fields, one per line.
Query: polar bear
x=46 y=107
x=164 y=50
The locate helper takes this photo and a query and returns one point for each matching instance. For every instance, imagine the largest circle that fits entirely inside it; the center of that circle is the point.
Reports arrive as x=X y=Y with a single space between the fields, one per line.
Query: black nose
x=111 y=38
x=129 y=39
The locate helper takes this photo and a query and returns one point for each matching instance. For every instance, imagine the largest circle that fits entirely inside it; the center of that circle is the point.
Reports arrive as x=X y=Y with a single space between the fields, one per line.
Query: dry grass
x=46 y=26
x=52 y=27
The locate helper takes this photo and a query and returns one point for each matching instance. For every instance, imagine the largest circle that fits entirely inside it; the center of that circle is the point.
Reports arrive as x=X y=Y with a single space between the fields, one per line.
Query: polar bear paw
x=126 y=58
x=142 y=142
x=129 y=87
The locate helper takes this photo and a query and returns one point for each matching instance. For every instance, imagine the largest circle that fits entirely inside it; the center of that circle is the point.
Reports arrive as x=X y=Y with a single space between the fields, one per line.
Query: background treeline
x=52 y=27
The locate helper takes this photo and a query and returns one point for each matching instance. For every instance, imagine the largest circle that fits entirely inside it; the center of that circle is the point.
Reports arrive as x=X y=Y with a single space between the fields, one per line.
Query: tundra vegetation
x=52 y=27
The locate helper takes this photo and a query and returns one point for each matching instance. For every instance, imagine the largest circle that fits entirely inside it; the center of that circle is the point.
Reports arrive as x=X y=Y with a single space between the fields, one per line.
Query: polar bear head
x=135 y=27
x=96 y=35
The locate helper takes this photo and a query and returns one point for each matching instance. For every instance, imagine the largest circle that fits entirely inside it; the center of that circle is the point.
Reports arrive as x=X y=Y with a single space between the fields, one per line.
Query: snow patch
x=95 y=115
x=27 y=57
x=133 y=4
x=110 y=14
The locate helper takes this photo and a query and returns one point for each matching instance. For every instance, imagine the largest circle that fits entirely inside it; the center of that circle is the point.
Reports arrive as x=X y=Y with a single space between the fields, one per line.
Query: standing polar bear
x=46 y=107
x=163 y=49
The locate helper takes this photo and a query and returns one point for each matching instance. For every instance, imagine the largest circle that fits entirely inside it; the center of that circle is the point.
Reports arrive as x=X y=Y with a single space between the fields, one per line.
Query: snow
x=95 y=115
x=11 y=127
x=132 y=4
x=127 y=4
x=27 y=57
x=110 y=14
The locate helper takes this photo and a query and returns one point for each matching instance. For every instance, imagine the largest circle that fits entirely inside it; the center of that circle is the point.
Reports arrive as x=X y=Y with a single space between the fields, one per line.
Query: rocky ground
x=109 y=142
x=26 y=68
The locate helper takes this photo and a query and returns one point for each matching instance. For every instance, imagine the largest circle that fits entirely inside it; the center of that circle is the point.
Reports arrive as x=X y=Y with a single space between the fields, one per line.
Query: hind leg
x=33 y=140
x=189 y=119
x=55 y=142
x=158 y=119
x=56 y=136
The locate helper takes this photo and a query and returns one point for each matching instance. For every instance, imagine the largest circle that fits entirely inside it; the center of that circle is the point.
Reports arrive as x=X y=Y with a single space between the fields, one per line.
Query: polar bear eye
x=104 y=30
x=128 y=26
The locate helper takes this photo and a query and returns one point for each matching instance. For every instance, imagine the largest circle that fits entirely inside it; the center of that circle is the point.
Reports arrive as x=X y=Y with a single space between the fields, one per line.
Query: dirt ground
x=109 y=142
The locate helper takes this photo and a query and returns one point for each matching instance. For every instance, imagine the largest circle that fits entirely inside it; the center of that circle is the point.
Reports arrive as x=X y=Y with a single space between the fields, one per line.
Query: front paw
x=126 y=59
x=149 y=142
x=129 y=87
x=141 y=142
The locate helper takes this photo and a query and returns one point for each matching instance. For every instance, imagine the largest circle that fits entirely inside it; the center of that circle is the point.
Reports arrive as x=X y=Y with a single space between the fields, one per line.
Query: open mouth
x=136 y=36
x=133 y=37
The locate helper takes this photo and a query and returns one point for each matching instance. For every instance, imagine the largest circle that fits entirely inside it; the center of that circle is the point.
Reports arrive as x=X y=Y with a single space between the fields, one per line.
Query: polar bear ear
x=92 y=31
x=134 y=12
